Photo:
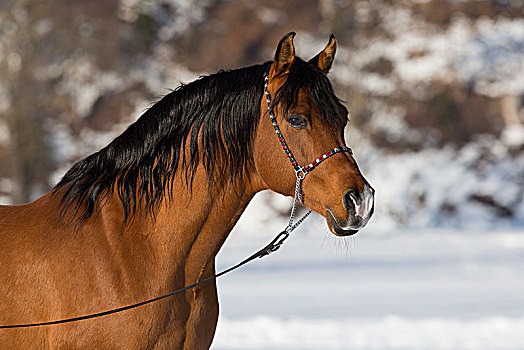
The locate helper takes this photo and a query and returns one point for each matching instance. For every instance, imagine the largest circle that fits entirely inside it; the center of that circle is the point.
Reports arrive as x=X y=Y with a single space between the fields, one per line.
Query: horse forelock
x=304 y=75
x=217 y=115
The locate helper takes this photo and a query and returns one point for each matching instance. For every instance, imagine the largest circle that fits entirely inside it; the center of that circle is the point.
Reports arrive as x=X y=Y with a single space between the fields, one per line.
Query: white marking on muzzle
x=364 y=209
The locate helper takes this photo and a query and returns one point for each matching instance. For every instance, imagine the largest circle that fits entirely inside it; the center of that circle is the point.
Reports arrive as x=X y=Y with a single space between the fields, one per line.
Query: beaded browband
x=300 y=171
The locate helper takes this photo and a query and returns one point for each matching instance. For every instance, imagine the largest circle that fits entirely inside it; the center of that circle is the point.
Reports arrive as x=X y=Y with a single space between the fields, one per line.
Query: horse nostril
x=351 y=200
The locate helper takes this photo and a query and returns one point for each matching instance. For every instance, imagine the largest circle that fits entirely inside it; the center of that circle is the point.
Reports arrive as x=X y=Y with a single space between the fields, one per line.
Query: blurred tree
x=52 y=55
x=28 y=108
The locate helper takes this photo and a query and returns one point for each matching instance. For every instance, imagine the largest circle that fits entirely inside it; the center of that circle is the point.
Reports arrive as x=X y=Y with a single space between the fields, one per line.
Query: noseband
x=300 y=171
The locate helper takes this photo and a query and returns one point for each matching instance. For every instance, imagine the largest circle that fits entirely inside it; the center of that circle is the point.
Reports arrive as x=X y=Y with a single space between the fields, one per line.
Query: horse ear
x=324 y=59
x=285 y=54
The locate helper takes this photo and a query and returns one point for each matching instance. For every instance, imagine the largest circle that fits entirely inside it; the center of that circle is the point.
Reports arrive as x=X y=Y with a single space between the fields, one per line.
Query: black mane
x=218 y=114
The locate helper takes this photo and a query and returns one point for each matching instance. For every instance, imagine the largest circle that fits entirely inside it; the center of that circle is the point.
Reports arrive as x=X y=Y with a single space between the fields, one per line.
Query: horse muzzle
x=359 y=208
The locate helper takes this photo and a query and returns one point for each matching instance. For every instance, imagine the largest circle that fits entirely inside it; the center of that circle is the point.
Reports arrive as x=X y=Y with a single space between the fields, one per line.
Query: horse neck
x=187 y=231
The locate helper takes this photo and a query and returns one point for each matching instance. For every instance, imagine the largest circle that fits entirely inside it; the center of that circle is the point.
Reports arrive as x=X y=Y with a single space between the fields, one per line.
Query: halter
x=300 y=171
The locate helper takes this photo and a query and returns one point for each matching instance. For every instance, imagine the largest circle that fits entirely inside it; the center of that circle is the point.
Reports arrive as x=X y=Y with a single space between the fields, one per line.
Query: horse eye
x=297 y=121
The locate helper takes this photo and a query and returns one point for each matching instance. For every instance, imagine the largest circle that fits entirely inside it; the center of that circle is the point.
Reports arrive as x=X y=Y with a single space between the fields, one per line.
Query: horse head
x=311 y=120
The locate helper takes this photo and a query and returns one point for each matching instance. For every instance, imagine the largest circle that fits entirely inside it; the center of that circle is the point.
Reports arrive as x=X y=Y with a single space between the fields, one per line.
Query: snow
x=404 y=289
x=486 y=53
x=175 y=16
x=514 y=135
x=389 y=332
x=494 y=58
x=85 y=83
x=437 y=187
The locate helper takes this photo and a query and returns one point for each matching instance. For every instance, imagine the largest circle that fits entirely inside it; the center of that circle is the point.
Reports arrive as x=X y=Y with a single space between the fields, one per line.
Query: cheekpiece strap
x=300 y=171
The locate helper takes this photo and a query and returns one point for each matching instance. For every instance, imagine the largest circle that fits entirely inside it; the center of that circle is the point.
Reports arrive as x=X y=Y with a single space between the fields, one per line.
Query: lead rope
x=272 y=247
x=282 y=236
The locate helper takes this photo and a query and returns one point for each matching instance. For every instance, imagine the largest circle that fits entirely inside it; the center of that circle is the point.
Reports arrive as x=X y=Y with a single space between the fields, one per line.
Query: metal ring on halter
x=301 y=173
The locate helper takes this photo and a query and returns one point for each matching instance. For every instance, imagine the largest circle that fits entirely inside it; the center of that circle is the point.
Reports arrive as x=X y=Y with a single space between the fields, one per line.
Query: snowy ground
x=408 y=289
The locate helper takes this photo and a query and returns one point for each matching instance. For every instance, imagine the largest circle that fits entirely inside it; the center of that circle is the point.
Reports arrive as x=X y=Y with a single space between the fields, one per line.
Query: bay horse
x=148 y=213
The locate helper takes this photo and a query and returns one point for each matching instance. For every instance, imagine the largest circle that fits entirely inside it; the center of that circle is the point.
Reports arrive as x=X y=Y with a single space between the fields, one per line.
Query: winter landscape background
x=436 y=94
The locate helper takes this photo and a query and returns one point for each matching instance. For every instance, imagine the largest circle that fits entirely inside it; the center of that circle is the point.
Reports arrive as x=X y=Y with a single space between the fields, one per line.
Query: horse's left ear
x=324 y=59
